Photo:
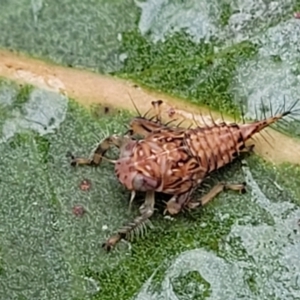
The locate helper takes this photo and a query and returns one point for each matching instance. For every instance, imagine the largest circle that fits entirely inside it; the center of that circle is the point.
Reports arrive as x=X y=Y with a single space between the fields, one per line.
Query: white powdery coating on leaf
x=274 y=250
x=245 y=11
x=224 y=279
x=36 y=6
x=250 y=17
x=43 y=112
x=202 y=19
x=7 y=95
x=267 y=80
x=282 y=40
x=162 y=17
x=279 y=244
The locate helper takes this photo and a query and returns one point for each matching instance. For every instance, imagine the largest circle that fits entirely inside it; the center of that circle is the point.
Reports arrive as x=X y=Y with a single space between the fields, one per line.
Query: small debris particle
x=85 y=185
x=106 y=109
x=104 y=227
x=278 y=186
x=297 y=15
x=168 y=217
x=78 y=210
x=171 y=112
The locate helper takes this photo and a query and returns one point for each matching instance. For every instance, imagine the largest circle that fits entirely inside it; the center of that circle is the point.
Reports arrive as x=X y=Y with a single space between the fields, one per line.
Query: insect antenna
x=242 y=112
x=171 y=121
x=205 y=124
x=138 y=112
x=194 y=119
x=212 y=119
x=146 y=113
x=222 y=117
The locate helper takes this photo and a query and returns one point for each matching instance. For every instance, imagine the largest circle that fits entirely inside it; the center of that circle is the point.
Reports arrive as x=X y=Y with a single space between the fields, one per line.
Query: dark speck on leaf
x=51 y=121
x=171 y=112
x=85 y=185
x=78 y=210
x=106 y=110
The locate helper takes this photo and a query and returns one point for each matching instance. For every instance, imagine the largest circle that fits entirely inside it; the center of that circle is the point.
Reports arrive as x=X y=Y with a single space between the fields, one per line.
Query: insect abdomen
x=215 y=146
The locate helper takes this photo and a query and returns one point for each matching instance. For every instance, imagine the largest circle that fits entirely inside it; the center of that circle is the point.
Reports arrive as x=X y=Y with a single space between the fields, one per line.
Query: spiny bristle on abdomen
x=217 y=145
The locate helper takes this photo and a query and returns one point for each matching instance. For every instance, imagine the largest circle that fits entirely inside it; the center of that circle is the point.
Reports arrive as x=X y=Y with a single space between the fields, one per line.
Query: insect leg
x=176 y=203
x=136 y=226
x=99 y=152
x=217 y=189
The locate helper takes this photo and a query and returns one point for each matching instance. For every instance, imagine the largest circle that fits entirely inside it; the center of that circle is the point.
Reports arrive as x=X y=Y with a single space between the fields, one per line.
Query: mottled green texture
x=37 y=209
x=296 y=7
x=22 y=95
x=196 y=55
x=8 y=94
x=238 y=246
x=185 y=68
x=226 y=13
x=3 y=115
x=73 y=33
x=42 y=244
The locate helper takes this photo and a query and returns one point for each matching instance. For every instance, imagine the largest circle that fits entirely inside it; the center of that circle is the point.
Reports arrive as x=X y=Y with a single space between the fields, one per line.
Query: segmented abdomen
x=215 y=146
